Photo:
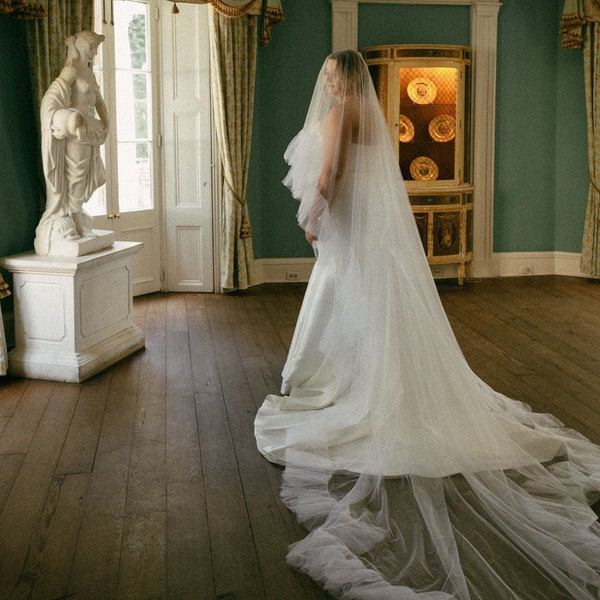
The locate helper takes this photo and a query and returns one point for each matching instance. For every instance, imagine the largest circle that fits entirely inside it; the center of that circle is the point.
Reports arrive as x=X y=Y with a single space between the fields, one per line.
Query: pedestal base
x=73 y=315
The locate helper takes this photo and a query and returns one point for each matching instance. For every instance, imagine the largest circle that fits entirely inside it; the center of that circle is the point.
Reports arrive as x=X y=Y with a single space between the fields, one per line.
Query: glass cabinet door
x=427 y=123
x=424 y=92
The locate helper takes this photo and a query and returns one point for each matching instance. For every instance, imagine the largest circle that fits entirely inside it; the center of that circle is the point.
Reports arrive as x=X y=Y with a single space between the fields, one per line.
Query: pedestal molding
x=73 y=315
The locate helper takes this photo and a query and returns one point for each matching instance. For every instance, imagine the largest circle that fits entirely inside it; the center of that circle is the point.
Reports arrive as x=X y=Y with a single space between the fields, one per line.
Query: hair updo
x=349 y=66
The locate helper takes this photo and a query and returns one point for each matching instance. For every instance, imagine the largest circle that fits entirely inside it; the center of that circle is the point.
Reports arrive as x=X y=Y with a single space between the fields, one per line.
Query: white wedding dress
x=415 y=478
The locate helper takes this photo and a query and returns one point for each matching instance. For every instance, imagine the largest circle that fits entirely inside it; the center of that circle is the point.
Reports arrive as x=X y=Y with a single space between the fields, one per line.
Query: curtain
x=46 y=40
x=590 y=248
x=233 y=47
x=580 y=26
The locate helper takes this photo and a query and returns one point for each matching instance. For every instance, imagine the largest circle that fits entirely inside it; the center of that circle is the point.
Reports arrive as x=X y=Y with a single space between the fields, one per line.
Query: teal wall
x=19 y=212
x=541 y=148
x=541 y=152
x=406 y=24
x=524 y=218
x=571 y=161
x=18 y=143
x=287 y=69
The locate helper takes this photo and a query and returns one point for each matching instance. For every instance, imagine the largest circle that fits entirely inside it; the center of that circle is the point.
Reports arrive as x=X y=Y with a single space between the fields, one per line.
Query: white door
x=130 y=202
x=187 y=149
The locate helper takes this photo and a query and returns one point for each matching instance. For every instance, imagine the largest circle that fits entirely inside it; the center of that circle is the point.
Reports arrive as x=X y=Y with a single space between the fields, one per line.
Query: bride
x=414 y=478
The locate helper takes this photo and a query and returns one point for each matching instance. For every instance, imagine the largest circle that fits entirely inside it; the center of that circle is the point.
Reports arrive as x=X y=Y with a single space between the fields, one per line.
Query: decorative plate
x=423 y=169
x=422 y=90
x=406 y=129
x=442 y=128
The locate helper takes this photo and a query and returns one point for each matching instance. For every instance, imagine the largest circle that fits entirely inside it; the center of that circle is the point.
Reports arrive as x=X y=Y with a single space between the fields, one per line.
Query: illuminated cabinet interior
x=424 y=92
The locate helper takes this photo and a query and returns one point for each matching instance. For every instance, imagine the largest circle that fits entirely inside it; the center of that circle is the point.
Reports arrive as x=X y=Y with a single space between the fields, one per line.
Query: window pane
x=135 y=176
x=133 y=105
x=96 y=205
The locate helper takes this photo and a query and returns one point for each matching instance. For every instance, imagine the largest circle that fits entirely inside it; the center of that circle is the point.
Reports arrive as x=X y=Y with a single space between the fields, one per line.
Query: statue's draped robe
x=70 y=179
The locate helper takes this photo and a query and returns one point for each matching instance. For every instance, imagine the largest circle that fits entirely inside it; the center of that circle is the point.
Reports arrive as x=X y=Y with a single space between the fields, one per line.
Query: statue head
x=82 y=46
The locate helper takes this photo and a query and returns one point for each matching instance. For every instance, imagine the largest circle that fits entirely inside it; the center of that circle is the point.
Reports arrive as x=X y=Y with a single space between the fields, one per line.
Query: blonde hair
x=349 y=65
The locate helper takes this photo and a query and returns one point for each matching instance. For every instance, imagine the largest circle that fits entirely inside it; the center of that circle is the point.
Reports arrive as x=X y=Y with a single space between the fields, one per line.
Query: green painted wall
x=541 y=164
x=19 y=212
x=541 y=175
x=18 y=143
x=541 y=155
x=524 y=218
x=571 y=162
x=287 y=69
x=406 y=24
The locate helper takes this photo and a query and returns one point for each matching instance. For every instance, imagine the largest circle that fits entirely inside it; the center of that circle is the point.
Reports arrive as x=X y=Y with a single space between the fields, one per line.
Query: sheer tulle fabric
x=414 y=478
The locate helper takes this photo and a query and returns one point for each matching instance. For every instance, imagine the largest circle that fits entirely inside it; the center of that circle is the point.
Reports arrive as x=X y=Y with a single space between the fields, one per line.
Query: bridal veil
x=413 y=477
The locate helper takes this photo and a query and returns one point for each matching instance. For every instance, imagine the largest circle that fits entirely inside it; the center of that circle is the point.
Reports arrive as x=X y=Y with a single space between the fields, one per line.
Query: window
x=124 y=73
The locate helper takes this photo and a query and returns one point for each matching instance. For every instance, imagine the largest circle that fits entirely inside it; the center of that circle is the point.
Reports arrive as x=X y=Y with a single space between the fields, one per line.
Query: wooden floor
x=144 y=482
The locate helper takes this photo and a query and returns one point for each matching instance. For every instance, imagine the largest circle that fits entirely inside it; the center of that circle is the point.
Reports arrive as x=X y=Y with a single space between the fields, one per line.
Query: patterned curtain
x=581 y=27
x=233 y=47
x=590 y=249
x=46 y=40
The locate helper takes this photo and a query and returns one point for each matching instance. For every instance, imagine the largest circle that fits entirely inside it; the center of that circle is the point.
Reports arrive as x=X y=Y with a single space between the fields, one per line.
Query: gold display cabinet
x=424 y=91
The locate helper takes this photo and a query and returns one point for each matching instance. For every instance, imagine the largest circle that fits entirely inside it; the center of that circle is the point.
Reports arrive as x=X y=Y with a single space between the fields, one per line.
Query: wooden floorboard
x=144 y=481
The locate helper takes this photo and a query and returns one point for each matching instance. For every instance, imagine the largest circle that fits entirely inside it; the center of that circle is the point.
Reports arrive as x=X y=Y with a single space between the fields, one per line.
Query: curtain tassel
x=245 y=229
x=4 y=291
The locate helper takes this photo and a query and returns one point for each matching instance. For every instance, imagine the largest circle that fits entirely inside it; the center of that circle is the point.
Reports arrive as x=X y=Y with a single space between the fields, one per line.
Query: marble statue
x=74 y=122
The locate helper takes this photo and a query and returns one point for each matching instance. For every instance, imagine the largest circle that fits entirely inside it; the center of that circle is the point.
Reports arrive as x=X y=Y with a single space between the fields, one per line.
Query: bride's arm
x=337 y=137
x=314 y=214
x=337 y=140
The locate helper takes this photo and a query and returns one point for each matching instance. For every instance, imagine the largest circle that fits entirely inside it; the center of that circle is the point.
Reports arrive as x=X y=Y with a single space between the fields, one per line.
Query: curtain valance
x=22 y=9
x=229 y=8
x=270 y=10
x=576 y=13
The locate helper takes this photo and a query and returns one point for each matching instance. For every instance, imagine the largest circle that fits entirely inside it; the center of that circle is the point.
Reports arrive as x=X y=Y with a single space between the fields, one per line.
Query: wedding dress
x=414 y=477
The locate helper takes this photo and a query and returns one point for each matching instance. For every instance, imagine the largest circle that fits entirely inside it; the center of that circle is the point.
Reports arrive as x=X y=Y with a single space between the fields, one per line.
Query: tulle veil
x=414 y=478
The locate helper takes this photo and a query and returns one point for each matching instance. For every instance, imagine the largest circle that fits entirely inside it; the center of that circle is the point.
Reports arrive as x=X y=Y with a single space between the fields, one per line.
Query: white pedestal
x=73 y=315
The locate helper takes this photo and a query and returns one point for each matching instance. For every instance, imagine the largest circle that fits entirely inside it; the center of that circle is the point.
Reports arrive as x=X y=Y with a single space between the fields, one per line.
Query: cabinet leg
x=461 y=273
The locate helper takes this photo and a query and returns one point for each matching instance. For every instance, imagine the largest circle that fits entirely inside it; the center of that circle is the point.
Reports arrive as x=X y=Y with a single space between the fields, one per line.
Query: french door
x=188 y=163
x=141 y=198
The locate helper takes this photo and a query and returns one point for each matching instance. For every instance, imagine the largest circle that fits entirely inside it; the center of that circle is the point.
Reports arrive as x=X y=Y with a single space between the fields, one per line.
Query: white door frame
x=144 y=225
x=484 y=36
x=190 y=214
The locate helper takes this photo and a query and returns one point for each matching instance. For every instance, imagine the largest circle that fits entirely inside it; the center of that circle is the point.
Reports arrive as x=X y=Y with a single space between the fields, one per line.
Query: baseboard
x=502 y=264
x=526 y=264
x=278 y=270
x=568 y=263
